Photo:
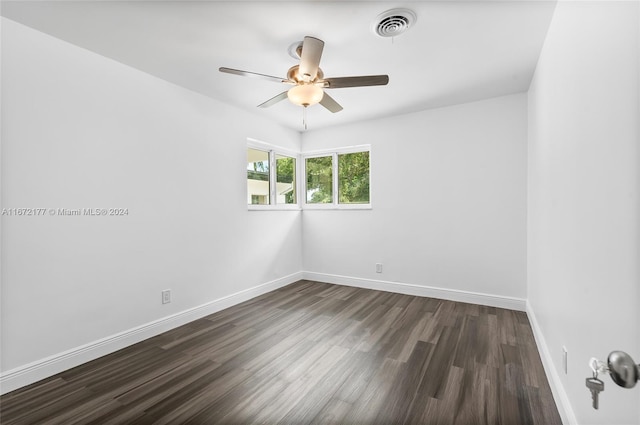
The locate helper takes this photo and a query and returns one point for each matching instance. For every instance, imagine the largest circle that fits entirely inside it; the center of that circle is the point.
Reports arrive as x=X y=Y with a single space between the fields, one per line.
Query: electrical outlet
x=378 y=267
x=565 y=360
x=166 y=296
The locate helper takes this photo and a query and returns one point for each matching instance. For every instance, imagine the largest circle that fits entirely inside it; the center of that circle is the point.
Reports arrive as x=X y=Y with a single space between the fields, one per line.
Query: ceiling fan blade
x=273 y=100
x=252 y=74
x=310 y=57
x=362 y=81
x=329 y=103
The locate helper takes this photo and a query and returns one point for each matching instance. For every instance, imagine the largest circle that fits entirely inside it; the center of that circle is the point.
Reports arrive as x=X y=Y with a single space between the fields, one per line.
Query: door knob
x=623 y=370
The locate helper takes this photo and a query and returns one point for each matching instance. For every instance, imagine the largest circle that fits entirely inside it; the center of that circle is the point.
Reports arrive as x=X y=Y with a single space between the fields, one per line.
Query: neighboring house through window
x=271 y=177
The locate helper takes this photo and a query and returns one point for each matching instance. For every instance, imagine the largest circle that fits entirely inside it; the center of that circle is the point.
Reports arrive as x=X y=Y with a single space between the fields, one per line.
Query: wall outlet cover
x=166 y=296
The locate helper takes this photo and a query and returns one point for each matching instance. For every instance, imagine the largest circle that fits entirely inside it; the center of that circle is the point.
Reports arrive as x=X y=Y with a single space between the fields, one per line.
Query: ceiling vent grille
x=393 y=22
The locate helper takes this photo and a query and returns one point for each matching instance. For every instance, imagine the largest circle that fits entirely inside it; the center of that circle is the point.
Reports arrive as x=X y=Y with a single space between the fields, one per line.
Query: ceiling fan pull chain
x=304 y=117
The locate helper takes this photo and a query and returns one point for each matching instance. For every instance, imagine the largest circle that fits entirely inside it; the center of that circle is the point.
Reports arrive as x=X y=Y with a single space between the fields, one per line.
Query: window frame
x=335 y=204
x=274 y=151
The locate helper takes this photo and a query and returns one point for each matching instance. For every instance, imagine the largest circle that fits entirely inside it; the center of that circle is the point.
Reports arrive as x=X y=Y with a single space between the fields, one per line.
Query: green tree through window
x=286 y=178
x=353 y=178
x=319 y=180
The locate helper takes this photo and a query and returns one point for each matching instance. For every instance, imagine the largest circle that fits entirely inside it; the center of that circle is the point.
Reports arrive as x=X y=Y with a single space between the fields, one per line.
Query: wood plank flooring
x=311 y=353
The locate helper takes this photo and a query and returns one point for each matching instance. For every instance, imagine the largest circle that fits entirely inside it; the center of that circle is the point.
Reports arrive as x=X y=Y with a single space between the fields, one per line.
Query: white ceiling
x=456 y=52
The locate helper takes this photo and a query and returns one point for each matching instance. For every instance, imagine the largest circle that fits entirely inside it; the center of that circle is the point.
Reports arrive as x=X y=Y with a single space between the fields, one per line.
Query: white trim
x=557 y=389
x=260 y=145
x=334 y=181
x=334 y=207
x=318 y=206
x=276 y=207
x=344 y=149
x=273 y=176
x=500 y=301
x=40 y=369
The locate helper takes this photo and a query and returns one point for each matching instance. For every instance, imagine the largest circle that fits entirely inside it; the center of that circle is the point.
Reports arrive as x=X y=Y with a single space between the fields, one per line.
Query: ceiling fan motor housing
x=294 y=75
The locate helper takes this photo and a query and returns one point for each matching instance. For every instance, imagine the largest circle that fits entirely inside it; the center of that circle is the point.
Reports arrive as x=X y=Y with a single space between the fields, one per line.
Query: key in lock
x=596 y=386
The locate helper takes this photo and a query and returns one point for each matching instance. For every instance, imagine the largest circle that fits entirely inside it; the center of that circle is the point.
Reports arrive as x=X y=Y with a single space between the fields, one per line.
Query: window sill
x=318 y=207
x=273 y=208
x=337 y=207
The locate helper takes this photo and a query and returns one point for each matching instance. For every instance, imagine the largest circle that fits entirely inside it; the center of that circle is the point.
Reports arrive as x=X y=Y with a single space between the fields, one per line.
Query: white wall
x=82 y=131
x=448 y=189
x=584 y=202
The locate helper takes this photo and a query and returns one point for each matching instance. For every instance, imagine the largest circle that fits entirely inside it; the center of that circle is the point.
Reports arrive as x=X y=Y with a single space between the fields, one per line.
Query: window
x=258 y=188
x=271 y=177
x=319 y=180
x=339 y=179
x=285 y=180
x=353 y=178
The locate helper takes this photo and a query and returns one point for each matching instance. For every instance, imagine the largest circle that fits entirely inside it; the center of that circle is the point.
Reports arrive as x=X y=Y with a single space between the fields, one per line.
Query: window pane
x=353 y=178
x=285 y=180
x=319 y=180
x=257 y=177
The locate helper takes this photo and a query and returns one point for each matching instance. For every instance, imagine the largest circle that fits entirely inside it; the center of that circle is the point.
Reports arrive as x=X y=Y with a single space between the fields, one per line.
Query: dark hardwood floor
x=311 y=353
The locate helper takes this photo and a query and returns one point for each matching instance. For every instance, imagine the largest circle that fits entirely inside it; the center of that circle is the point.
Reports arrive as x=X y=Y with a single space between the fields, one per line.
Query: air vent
x=393 y=22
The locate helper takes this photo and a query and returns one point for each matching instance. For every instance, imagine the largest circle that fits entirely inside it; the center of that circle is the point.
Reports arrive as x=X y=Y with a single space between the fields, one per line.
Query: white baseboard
x=559 y=394
x=41 y=369
x=510 y=303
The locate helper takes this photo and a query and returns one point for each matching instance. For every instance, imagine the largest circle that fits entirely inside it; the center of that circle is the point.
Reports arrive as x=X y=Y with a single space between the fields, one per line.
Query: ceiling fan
x=308 y=79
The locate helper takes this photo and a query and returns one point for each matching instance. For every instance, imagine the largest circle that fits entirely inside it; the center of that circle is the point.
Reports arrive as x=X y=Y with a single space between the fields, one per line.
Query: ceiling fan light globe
x=305 y=94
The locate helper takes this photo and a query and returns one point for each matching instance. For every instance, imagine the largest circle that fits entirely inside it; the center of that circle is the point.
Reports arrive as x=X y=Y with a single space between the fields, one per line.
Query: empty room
x=359 y=212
